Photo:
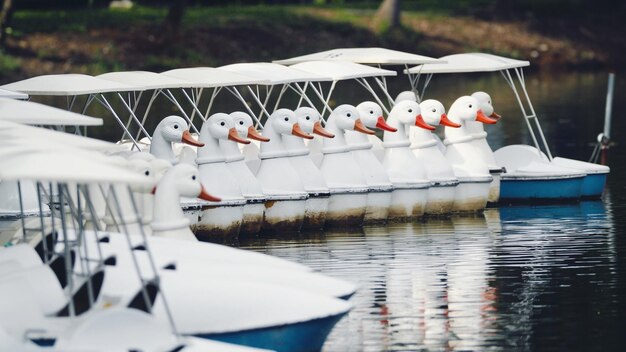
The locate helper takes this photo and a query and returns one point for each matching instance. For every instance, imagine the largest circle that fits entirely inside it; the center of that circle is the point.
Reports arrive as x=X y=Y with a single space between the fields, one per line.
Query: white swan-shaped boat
x=250 y=187
x=311 y=177
x=380 y=187
x=279 y=179
x=480 y=142
x=406 y=172
x=347 y=184
x=424 y=145
x=222 y=221
x=467 y=162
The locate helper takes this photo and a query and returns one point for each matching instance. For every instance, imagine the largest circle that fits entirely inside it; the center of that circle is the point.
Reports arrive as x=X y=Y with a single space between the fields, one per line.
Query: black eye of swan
x=147 y=173
x=348 y=114
x=223 y=123
x=434 y=110
x=372 y=112
x=241 y=122
x=410 y=110
x=175 y=127
x=286 y=119
x=470 y=105
x=308 y=117
x=193 y=177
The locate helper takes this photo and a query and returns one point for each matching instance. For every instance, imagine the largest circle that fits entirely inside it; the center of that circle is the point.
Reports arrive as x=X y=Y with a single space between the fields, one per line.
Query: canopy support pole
x=216 y=91
x=171 y=97
x=133 y=116
x=520 y=77
x=193 y=104
x=238 y=95
x=155 y=94
x=511 y=83
x=106 y=104
x=369 y=88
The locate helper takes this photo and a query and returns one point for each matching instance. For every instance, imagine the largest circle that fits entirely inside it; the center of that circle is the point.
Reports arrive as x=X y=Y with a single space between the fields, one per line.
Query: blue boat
x=307 y=336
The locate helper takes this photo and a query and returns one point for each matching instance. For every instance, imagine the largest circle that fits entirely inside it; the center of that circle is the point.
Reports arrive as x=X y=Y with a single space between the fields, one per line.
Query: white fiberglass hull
x=441 y=199
x=220 y=223
x=408 y=203
x=346 y=208
x=472 y=194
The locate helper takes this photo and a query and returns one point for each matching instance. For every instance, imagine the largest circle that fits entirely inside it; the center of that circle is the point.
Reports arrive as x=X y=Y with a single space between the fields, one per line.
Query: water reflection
x=467 y=283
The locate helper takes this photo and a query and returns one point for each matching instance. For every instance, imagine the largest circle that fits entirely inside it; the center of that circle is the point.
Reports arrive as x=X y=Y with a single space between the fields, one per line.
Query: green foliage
x=8 y=64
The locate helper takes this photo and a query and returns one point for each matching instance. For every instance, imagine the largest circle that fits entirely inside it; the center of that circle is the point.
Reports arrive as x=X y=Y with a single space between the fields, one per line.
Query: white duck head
x=372 y=116
x=182 y=180
x=406 y=95
x=484 y=101
x=468 y=108
x=217 y=127
x=172 y=129
x=245 y=126
x=282 y=122
x=343 y=118
x=434 y=114
x=404 y=114
x=464 y=111
x=309 y=120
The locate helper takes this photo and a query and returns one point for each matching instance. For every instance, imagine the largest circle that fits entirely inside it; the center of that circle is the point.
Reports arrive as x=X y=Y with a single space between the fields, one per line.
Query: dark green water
x=517 y=278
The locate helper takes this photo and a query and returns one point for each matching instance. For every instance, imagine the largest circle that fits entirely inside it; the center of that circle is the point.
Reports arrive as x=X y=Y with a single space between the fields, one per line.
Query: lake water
x=516 y=278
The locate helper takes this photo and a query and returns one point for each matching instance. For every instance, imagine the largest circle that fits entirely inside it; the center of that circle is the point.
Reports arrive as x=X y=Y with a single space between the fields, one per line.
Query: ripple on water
x=466 y=283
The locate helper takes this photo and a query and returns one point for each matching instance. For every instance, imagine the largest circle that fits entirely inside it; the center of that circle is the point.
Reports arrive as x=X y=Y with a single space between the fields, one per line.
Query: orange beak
x=419 y=122
x=254 y=134
x=319 y=130
x=495 y=116
x=188 y=139
x=296 y=131
x=447 y=122
x=480 y=116
x=234 y=136
x=206 y=196
x=360 y=127
x=382 y=124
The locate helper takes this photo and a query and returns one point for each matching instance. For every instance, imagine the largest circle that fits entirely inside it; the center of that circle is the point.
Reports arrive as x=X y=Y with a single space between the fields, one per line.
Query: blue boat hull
x=300 y=337
x=552 y=189
x=593 y=185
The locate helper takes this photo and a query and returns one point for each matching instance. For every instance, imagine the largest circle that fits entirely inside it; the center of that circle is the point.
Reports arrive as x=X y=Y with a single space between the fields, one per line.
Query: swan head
x=484 y=100
x=347 y=118
x=406 y=95
x=372 y=116
x=467 y=108
x=186 y=179
x=284 y=121
x=174 y=129
x=409 y=113
x=434 y=113
x=245 y=126
x=221 y=126
x=310 y=121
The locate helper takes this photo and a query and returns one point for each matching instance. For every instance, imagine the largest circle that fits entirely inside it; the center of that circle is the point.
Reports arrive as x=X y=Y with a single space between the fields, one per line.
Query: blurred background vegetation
x=95 y=36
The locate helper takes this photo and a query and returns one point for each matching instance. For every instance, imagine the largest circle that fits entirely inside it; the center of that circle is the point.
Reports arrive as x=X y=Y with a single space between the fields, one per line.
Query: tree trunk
x=5 y=19
x=388 y=14
x=174 y=17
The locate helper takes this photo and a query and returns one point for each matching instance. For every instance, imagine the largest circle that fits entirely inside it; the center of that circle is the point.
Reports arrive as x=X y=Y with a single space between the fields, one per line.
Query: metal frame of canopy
x=275 y=75
x=71 y=86
x=66 y=172
x=203 y=78
x=367 y=56
x=480 y=62
x=339 y=71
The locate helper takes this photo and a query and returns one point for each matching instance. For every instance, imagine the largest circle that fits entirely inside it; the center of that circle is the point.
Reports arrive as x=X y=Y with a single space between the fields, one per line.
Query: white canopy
x=38 y=114
x=13 y=95
x=371 y=56
x=341 y=70
x=469 y=62
x=145 y=80
x=274 y=73
x=209 y=77
x=37 y=136
x=62 y=165
x=66 y=85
